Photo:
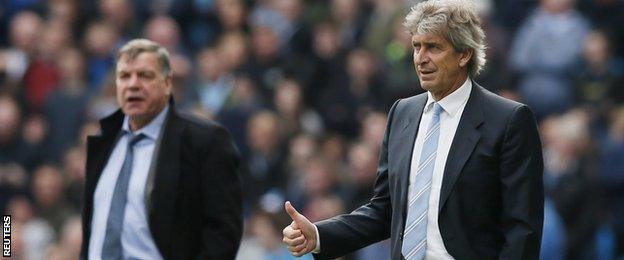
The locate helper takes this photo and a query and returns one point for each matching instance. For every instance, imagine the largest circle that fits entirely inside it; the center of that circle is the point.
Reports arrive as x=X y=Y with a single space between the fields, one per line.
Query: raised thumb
x=293 y=213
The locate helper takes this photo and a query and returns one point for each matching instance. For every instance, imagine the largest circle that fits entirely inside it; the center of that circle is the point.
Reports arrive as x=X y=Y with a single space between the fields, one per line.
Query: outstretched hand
x=300 y=235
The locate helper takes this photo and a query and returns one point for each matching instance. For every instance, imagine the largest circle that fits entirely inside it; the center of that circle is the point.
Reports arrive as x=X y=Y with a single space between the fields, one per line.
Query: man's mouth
x=426 y=72
x=134 y=99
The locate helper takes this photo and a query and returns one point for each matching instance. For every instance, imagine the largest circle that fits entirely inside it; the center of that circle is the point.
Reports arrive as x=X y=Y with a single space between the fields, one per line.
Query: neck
x=138 y=122
x=457 y=83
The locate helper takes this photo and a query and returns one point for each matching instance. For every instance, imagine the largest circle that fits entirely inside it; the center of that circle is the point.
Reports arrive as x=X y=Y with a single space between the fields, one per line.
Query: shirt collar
x=453 y=102
x=152 y=129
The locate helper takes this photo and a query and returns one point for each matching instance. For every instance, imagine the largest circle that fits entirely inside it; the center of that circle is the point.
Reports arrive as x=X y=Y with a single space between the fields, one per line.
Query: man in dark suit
x=460 y=168
x=159 y=185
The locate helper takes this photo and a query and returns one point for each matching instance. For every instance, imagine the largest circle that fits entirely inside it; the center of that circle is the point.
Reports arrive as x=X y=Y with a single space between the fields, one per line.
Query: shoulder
x=201 y=130
x=495 y=105
x=196 y=123
x=413 y=100
x=409 y=103
x=505 y=113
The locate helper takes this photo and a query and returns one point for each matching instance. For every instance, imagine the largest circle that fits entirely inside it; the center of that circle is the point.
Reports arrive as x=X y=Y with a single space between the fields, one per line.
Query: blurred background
x=304 y=86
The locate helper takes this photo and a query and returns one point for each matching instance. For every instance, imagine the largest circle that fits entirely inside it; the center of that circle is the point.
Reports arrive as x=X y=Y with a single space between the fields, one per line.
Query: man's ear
x=464 y=57
x=169 y=84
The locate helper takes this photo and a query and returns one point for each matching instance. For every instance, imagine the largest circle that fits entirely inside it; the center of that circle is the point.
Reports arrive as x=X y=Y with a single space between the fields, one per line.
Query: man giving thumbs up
x=460 y=173
x=301 y=235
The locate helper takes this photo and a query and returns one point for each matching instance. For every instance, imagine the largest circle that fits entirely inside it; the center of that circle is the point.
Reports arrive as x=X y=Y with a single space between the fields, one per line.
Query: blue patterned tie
x=112 y=240
x=415 y=233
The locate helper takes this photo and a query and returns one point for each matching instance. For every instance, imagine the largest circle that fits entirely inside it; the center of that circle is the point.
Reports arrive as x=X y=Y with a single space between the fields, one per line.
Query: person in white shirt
x=460 y=168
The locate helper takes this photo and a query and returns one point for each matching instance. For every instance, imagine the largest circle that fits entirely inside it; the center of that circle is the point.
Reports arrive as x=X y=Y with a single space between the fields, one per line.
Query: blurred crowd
x=304 y=87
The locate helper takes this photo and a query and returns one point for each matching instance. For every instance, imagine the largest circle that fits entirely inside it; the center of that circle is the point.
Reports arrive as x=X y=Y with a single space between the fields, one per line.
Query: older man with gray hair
x=159 y=184
x=460 y=168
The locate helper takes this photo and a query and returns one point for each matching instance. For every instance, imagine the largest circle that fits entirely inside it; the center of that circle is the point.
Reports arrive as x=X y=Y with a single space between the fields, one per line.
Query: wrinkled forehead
x=433 y=37
x=142 y=61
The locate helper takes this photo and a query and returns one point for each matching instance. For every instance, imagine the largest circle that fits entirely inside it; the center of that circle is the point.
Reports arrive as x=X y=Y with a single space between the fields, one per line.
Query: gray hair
x=133 y=48
x=457 y=20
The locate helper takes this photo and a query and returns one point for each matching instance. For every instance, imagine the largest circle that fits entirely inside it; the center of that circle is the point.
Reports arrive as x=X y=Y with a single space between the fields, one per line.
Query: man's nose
x=420 y=57
x=134 y=82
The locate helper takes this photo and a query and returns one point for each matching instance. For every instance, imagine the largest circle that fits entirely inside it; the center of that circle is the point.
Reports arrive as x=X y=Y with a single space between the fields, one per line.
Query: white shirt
x=136 y=238
x=452 y=108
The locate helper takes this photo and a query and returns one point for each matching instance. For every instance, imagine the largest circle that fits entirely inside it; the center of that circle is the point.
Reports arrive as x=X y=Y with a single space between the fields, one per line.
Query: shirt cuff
x=317 y=249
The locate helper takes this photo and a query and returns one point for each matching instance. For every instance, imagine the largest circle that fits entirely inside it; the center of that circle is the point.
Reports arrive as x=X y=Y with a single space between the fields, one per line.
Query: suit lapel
x=99 y=148
x=466 y=138
x=163 y=196
x=407 y=140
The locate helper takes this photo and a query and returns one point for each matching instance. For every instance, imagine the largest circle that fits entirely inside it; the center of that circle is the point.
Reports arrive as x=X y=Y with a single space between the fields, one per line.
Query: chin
x=133 y=112
x=425 y=85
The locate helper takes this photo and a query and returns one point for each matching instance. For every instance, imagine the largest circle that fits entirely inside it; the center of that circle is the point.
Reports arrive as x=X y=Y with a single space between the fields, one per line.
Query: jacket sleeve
x=521 y=173
x=369 y=223
x=222 y=222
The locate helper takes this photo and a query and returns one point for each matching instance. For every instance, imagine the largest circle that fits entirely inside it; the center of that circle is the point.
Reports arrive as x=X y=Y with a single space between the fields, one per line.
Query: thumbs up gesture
x=300 y=235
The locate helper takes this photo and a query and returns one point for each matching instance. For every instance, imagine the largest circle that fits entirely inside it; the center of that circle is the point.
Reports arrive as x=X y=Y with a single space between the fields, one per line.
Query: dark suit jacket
x=195 y=207
x=492 y=199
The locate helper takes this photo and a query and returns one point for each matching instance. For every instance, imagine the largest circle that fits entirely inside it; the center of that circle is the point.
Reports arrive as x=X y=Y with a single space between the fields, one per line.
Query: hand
x=300 y=235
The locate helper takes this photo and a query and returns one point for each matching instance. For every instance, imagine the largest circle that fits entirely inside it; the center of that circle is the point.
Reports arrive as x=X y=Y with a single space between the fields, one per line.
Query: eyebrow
x=429 y=43
x=140 y=72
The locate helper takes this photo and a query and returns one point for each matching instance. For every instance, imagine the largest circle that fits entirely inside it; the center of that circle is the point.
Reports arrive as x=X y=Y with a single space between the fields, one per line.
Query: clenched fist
x=300 y=235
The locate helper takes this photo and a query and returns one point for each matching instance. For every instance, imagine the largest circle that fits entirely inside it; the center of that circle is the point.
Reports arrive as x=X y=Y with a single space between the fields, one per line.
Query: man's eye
x=146 y=75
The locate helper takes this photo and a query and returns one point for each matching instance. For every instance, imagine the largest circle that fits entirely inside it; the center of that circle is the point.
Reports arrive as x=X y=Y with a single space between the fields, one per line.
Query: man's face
x=440 y=68
x=142 y=90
